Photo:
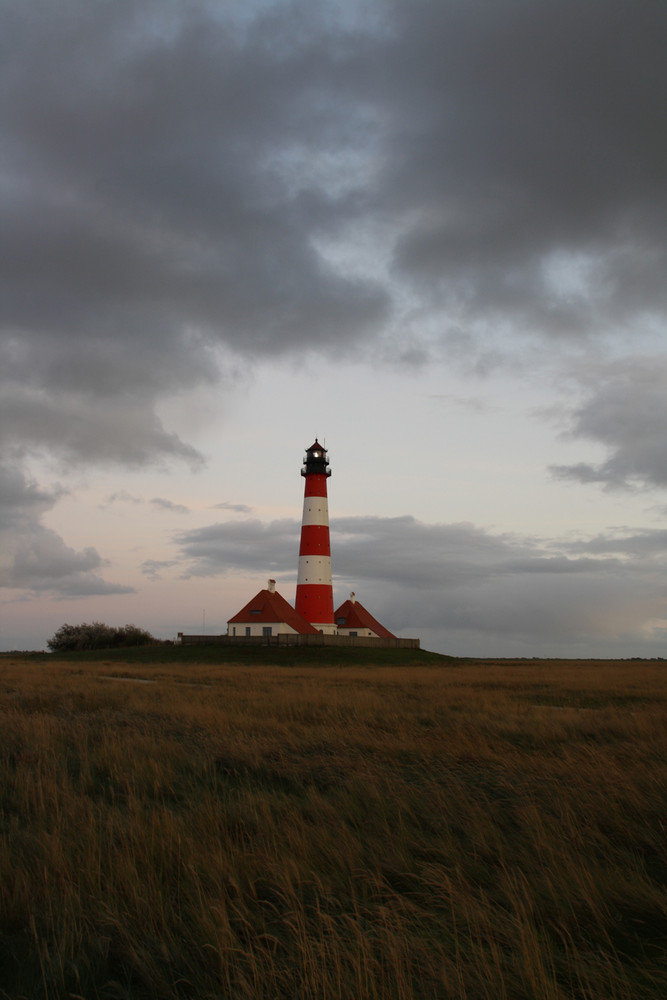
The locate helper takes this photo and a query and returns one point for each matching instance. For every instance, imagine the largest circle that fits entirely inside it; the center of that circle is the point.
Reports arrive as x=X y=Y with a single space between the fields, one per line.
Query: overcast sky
x=432 y=234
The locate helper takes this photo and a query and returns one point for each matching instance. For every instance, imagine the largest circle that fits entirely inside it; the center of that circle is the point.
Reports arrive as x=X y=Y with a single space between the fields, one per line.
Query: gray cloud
x=502 y=588
x=648 y=543
x=240 y=545
x=532 y=164
x=81 y=429
x=45 y=555
x=122 y=496
x=23 y=500
x=150 y=213
x=43 y=563
x=179 y=179
x=626 y=411
x=176 y=508
x=36 y=558
x=237 y=508
x=153 y=568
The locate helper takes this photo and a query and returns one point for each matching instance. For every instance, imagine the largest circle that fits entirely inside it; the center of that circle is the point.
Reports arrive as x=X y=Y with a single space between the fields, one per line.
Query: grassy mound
x=279 y=655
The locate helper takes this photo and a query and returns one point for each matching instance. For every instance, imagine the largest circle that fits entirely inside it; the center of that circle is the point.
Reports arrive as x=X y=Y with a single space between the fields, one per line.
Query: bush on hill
x=97 y=635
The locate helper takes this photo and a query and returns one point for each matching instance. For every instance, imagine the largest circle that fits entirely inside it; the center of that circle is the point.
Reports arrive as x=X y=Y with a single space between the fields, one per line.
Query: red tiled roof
x=270 y=606
x=356 y=616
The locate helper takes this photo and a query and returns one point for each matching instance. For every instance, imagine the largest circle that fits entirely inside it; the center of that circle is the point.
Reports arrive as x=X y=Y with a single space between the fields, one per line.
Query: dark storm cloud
x=152 y=212
x=626 y=412
x=170 y=171
x=149 y=148
x=467 y=580
x=533 y=161
x=185 y=183
x=174 y=174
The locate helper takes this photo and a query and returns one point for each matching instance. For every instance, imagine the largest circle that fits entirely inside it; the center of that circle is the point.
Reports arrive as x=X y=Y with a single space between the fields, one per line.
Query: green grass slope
x=280 y=655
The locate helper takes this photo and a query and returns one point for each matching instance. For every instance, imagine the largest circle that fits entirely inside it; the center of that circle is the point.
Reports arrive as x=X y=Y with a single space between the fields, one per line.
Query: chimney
x=352 y=597
x=272 y=586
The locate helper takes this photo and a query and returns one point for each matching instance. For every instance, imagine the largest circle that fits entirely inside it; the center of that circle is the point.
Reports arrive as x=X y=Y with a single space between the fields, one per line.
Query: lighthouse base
x=327 y=628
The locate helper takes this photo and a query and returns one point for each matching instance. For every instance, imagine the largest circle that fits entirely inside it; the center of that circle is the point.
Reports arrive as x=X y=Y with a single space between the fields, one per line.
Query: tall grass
x=399 y=833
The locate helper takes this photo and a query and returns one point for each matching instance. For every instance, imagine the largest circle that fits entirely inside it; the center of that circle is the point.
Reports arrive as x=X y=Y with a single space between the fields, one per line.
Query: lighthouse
x=314 y=592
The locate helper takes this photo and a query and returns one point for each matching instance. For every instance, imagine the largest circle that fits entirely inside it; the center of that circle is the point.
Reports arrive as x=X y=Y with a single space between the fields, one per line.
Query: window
x=340 y=621
x=354 y=633
x=267 y=630
x=247 y=630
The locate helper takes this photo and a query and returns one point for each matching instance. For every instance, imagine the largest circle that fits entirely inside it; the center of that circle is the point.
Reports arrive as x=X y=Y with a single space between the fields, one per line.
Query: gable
x=269 y=607
x=356 y=616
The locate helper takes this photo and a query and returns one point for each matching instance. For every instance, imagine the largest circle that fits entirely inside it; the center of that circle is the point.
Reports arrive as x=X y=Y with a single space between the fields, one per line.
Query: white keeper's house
x=268 y=613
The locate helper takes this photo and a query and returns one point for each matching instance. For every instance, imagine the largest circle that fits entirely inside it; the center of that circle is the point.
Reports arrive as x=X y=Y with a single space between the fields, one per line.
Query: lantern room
x=315 y=462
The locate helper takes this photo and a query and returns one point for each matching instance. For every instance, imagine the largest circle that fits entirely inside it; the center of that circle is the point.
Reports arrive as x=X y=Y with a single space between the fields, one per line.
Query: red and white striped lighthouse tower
x=314 y=592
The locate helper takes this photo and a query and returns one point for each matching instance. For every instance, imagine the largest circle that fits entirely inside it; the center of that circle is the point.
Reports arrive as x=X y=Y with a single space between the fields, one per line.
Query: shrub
x=97 y=635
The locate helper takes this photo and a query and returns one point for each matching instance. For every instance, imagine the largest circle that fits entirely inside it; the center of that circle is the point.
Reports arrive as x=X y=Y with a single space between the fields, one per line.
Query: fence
x=287 y=639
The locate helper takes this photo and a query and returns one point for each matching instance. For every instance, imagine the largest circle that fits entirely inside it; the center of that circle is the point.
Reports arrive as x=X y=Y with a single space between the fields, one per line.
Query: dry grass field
x=260 y=831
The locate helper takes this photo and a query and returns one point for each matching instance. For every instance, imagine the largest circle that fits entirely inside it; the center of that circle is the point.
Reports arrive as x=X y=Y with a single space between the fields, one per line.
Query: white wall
x=366 y=632
x=257 y=628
